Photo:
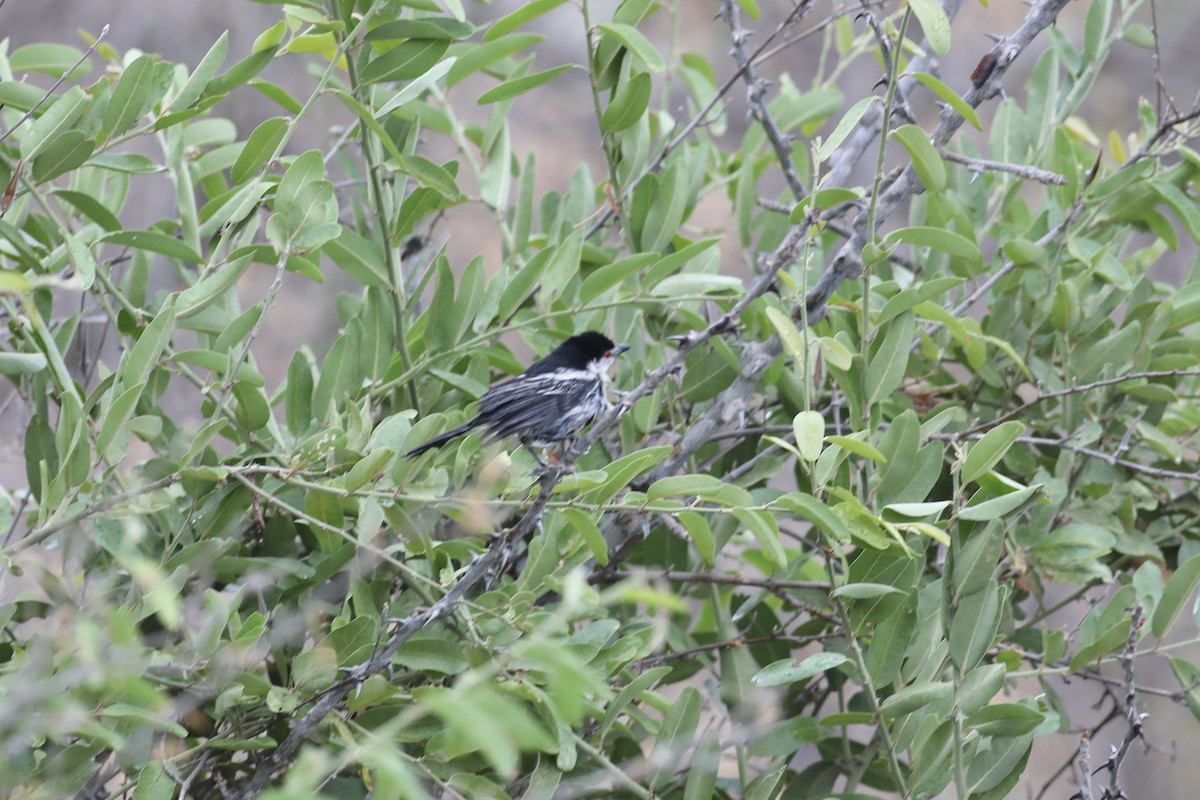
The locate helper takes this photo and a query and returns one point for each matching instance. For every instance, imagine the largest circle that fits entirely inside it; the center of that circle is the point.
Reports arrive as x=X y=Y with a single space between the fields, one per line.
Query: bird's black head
x=578 y=352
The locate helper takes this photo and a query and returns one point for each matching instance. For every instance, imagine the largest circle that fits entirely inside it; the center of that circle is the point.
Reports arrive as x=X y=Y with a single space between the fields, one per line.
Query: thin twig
x=1133 y=720
x=1062 y=444
x=757 y=88
x=1022 y=170
x=50 y=92
x=1081 y=389
x=771 y=584
x=688 y=652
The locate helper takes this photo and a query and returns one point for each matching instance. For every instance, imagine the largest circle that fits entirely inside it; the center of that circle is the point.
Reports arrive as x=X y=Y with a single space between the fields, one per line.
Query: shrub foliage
x=917 y=389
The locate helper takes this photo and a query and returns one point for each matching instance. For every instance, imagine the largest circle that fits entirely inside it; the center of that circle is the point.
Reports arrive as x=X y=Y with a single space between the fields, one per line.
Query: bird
x=550 y=402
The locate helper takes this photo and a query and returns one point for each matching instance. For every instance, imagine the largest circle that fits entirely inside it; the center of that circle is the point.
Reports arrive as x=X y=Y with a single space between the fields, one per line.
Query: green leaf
x=979 y=686
x=996 y=507
x=847 y=124
x=918 y=509
x=857 y=446
x=600 y=280
x=152 y=782
x=563 y=266
x=865 y=591
x=59 y=117
x=702 y=536
x=129 y=96
x=625 y=469
x=1139 y=35
x=809 y=428
x=668 y=264
x=632 y=690
x=20 y=96
x=676 y=733
x=198 y=81
x=50 y=59
x=359 y=257
x=987 y=452
x=765 y=529
x=252 y=410
x=793 y=340
x=92 y=208
x=703 y=768
x=21 y=363
x=636 y=43
x=431 y=176
x=975 y=561
x=1005 y=719
x=939 y=239
x=628 y=104
x=934 y=22
x=211 y=287
x=837 y=354
x=694 y=283
x=787 y=670
x=366 y=470
x=823 y=199
x=415 y=88
x=116 y=416
x=1178 y=589
x=130 y=163
x=138 y=362
x=65 y=152
x=525 y=13
x=517 y=86
x=518 y=287
x=917 y=697
x=474 y=58
x=676 y=485
x=585 y=526
x=259 y=148
x=1022 y=252
x=779 y=739
x=1188 y=675
x=950 y=97
x=660 y=223
x=819 y=513
x=406 y=61
x=887 y=365
x=422 y=28
x=154 y=242
x=925 y=159
x=974 y=626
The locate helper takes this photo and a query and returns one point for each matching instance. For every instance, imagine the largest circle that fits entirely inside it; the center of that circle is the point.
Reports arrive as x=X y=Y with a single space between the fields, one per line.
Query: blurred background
x=557 y=123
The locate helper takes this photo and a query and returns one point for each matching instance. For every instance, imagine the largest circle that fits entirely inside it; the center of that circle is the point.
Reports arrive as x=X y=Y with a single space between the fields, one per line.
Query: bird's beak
x=618 y=349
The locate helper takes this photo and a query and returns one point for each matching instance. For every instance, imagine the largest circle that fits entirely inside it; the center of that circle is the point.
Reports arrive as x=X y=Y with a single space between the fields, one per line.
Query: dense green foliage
x=883 y=422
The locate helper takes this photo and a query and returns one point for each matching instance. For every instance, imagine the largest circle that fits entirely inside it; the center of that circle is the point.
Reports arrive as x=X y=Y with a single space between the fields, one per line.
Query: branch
x=847 y=263
x=687 y=129
x=757 y=88
x=687 y=652
x=714 y=578
x=407 y=627
x=1133 y=720
x=1085 y=769
x=984 y=165
x=50 y=92
x=52 y=527
x=1080 y=389
x=1108 y=458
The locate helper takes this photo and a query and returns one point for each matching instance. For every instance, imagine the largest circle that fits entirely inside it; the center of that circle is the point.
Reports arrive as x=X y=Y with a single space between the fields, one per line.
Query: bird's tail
x=441 y=439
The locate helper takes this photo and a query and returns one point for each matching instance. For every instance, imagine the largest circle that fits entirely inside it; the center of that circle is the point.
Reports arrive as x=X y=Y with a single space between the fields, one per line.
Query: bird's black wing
x=540 y=405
